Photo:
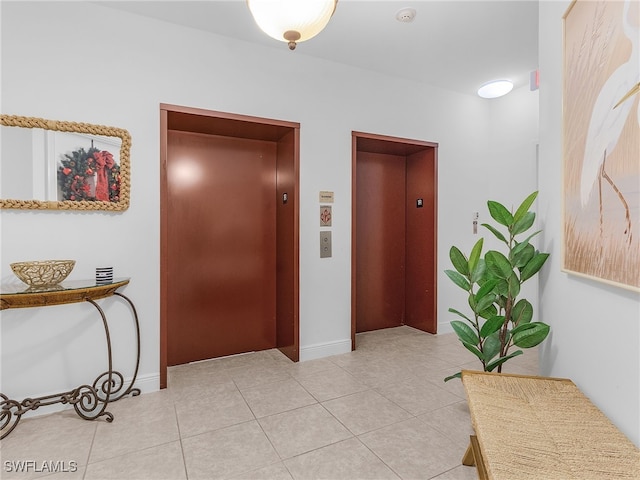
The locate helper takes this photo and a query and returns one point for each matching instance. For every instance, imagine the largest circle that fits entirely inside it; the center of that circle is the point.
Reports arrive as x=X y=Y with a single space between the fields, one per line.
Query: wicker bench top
x=544 y=428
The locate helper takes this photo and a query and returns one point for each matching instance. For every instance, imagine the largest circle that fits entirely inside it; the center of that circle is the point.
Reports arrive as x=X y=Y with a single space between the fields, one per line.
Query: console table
x=89 y=401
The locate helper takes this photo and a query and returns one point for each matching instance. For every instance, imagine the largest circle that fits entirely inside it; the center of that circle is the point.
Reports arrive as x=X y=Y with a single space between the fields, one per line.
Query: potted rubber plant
x=499 y=320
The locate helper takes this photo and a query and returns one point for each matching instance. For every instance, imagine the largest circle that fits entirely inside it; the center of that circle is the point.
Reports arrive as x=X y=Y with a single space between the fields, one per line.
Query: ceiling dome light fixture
x=495 y=88
x=292 y=21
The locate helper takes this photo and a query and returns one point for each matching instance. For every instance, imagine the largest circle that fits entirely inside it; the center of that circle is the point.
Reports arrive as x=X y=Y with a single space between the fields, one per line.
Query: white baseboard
x=320 y=350
x=148 y=383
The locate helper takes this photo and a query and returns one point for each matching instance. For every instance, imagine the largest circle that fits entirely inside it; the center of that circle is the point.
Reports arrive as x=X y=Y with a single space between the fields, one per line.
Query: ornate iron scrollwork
x=89 y=401
x=9 y=418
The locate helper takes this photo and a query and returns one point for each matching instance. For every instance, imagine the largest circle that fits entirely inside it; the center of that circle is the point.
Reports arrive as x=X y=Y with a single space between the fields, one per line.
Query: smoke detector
x=406 y=15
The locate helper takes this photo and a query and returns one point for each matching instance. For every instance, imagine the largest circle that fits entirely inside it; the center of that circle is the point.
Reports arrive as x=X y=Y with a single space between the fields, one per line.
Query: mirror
x=57 y=165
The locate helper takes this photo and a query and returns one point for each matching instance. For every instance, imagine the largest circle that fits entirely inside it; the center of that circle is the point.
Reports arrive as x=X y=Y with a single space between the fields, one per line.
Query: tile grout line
x=184 y=460
x=93 y=439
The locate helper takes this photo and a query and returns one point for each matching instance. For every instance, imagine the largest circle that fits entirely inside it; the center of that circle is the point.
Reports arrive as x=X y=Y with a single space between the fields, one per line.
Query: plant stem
x=504 y=345
x=476 y=325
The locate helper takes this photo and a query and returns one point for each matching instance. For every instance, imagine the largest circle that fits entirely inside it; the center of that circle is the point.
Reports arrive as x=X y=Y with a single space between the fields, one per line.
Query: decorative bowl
x=43 y=273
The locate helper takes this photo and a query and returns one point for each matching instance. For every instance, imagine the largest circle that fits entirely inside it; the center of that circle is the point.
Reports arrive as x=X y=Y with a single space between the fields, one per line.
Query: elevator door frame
x=286 y=135
x=385 y=144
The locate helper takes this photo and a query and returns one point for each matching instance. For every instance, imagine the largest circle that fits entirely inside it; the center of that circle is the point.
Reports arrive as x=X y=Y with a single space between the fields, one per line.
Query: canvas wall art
x=601 y=122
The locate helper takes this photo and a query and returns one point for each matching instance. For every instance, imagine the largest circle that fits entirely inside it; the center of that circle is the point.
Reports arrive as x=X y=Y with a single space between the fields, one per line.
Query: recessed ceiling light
x=495 y=88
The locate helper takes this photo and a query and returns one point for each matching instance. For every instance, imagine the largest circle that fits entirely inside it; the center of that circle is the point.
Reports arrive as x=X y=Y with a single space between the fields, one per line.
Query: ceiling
x=457 y=45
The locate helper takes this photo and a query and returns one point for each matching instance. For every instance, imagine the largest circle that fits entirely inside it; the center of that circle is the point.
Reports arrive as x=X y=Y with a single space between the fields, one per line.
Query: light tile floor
x=380 y=412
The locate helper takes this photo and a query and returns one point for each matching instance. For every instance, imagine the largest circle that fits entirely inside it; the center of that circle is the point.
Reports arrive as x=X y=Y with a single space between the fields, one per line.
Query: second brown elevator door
x=221 y=246
x=380 y=237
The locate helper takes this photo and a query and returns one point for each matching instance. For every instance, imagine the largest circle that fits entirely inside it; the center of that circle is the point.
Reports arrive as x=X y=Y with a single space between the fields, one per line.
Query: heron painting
x=601 y=121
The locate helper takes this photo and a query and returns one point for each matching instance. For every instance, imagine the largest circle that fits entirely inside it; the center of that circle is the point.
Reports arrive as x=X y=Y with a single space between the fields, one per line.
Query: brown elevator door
x=221 y=194
x=380 y=241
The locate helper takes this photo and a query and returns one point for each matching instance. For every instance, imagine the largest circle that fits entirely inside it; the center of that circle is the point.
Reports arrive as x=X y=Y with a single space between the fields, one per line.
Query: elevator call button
x=325 y=244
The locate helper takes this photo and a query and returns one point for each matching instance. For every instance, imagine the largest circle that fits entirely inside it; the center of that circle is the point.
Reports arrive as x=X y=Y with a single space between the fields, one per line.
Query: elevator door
x=394 y=242
x=221 y=262
x=380 y=233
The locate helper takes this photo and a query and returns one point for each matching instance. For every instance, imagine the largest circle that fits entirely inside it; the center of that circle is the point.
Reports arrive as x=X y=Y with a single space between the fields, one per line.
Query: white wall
x=514 y=123
x=505 y=173
x=595 y=328
x=83 y=62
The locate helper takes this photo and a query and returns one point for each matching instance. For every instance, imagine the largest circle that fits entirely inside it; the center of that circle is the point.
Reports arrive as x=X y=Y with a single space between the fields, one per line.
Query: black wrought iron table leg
x=86 y=399
x=130 y=389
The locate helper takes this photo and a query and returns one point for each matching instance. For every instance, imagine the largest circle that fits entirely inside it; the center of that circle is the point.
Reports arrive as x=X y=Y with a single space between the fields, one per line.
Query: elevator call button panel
x=325 y=244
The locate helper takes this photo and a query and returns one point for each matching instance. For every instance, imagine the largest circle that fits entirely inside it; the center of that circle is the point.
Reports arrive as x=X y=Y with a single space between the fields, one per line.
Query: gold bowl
x=43 y=273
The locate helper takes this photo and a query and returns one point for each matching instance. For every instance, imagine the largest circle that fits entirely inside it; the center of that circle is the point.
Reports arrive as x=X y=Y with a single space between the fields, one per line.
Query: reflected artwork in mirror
x=59 y=165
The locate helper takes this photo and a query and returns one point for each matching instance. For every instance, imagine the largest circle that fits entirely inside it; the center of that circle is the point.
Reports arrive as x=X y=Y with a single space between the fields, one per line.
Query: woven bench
x=530 y=427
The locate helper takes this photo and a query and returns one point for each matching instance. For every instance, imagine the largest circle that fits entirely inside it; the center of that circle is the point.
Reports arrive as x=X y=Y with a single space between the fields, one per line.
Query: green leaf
x=514 y=285
x=472 y=302
x=484 y=302
x=523 y=256
x=524 y=207
x=491 y=366
x=459 y=261
x=475 y=255
x=453 y=310
x=458 y=279
x=491 y=346
x=498 y=235
x=455 y=375
x=524 y=243
x=498 y=264
x=522 y=312
x=488 y=312
x=475 y=350
x=521 y=328
x=533 y=265
x=486 y=288
x=517 y=249
x=502 y=288
x=499 y=213
x=479 y=271
x=465 y=333
x=491 y=326
x=531 y=336
x=524 y=223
